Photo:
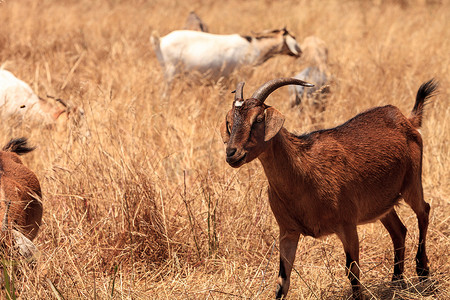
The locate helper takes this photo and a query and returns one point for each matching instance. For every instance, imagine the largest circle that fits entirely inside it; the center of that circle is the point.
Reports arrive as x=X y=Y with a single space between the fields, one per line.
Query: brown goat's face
x=248 y=126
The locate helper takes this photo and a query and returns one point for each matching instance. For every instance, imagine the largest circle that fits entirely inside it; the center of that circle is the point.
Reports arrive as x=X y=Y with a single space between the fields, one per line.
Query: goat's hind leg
x=397 y=231
x=421 y=256
x=414 y=198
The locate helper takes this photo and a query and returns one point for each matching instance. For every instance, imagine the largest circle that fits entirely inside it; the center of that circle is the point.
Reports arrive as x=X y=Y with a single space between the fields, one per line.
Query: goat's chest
x=296 y=212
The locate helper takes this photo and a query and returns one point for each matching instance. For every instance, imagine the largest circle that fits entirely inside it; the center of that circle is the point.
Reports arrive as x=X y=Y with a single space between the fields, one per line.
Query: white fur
x=238 y=103
x=17 y=98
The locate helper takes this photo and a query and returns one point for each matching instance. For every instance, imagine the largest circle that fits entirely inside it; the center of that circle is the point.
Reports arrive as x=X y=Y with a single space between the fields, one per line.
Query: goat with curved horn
x=329 y=181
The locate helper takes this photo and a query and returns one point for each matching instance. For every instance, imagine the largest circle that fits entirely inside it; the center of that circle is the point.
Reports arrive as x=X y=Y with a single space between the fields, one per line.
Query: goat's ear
x=224 y=132
x=293 y=45
x=274 y=122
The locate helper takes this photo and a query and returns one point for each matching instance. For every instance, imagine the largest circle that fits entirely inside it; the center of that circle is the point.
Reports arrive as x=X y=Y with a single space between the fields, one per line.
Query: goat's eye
x=229 y=127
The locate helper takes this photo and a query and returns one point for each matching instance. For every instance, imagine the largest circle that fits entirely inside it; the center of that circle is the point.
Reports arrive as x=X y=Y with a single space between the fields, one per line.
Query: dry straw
x=147 y=208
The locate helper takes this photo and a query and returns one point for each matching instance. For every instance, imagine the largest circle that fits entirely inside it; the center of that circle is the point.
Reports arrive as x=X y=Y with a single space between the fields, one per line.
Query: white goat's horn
x=58 y=100
x=267 y=88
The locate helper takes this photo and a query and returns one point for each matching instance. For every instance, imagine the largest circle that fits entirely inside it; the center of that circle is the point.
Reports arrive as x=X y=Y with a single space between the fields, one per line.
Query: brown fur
x=329 y=181
x=20 y=191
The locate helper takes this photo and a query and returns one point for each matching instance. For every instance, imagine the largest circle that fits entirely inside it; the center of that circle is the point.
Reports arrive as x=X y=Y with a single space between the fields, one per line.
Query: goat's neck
x=284 y=159
x=266 y=48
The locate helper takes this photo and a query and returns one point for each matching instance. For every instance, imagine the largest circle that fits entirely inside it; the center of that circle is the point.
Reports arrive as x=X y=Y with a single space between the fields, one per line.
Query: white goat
x=218 y=55
x=17 y=99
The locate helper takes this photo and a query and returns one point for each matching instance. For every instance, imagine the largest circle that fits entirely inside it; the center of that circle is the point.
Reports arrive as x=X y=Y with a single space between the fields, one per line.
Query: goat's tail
x=155 y=40
x=426 y=91
x=18 y=146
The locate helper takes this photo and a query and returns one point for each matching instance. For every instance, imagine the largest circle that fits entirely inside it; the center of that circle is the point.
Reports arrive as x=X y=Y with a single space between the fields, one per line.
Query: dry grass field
x=147 y=207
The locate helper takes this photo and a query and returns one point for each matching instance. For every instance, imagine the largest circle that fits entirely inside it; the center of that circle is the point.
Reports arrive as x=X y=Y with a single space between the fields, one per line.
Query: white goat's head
x=289 y=46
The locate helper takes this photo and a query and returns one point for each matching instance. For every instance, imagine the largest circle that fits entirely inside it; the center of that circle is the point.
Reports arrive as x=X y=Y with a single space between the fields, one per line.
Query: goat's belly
x=376 y=208
x=211 y=69
x=315 y=229
x=291 y=219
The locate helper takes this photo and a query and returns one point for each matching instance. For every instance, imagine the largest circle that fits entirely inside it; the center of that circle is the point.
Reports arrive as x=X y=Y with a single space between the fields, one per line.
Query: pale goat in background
x=216 y=55
x=315 y=55
x=17 y=100
x=193 y=22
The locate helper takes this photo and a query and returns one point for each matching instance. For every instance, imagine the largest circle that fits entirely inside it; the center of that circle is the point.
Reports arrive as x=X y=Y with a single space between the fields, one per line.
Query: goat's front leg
x=288 y=247
x=349 y=238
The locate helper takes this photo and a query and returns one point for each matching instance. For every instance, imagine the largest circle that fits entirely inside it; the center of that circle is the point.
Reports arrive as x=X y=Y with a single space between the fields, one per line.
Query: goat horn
x=267 y=88
x=58 y=100
x=239 y=92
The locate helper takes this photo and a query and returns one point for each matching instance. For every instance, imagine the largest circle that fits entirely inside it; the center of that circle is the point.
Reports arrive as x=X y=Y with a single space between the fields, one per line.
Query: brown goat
x=329 y=181
x=20 y=193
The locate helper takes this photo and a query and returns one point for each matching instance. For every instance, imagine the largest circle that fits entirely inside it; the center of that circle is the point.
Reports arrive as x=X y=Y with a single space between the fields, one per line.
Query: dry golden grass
x=148 y=207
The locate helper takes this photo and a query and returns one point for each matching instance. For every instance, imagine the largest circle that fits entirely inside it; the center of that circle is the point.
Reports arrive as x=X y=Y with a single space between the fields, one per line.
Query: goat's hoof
x=279 y=292
x=423 y=273
x=357 y=293
x=397 y=277
x=359 y=296
x=398 y=281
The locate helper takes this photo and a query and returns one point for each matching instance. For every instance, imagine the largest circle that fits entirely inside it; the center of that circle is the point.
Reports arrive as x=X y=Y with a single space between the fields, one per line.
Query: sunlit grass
x=149 y=209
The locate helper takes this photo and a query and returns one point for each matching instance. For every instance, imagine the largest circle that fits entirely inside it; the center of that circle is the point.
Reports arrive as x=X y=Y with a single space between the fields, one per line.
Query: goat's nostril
x=231 y=152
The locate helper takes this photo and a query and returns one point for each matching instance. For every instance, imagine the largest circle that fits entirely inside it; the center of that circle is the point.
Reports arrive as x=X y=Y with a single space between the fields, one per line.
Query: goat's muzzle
x=235 y=158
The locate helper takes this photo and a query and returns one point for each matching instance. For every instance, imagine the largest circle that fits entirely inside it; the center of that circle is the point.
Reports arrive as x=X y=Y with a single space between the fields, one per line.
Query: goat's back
x=204 y=52
x=370 y=138
x=364 y=164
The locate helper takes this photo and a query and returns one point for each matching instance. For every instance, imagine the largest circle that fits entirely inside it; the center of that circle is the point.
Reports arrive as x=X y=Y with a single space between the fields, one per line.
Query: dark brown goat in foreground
x=329 y=181
x=20 y=195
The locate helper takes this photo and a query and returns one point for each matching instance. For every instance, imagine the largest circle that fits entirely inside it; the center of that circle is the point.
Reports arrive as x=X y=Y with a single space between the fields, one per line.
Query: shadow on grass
x=410 y=288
